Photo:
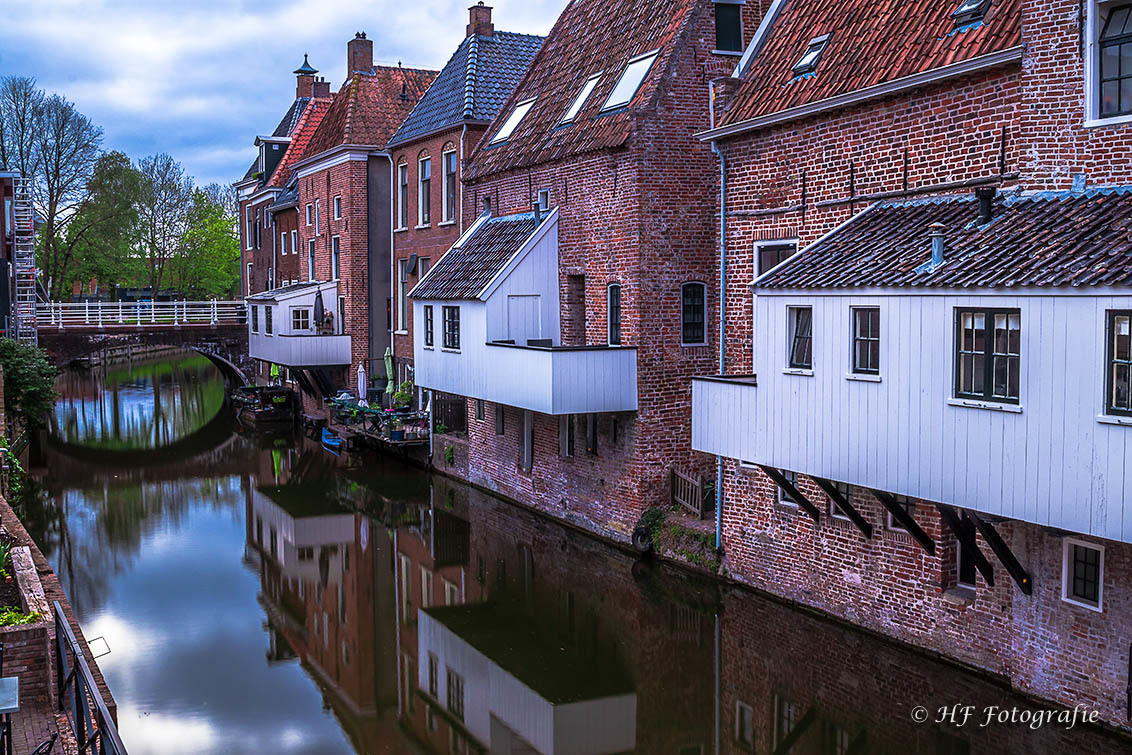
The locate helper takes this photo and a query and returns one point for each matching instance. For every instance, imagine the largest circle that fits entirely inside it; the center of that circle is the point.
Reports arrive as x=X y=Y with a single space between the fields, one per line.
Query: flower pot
x=397 y=435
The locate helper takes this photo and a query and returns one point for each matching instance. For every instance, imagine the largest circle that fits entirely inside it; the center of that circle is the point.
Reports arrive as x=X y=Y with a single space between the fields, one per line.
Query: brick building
x=330 y=321
x=429 y=148
x=590 y=269
x=933 y=440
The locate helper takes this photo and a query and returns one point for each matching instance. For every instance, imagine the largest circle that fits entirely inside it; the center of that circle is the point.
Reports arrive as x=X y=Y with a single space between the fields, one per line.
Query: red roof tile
x=300 y=136
x=591 y=36
x=369 y=108
x=873 y=42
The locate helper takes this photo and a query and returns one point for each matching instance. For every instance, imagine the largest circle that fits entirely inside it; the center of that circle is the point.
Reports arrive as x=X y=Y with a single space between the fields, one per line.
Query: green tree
x=207 y=262
x=163 y=214
x=29 y=382
x=102 y=235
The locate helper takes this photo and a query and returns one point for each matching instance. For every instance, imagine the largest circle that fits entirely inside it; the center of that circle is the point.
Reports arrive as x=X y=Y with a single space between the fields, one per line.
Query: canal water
x=264 y=595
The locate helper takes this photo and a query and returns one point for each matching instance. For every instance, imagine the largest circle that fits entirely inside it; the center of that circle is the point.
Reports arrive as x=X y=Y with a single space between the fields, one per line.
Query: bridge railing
x=140 y=314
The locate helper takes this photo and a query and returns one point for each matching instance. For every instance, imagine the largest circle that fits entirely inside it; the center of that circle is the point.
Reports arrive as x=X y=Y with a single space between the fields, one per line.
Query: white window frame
x=317 y=217
x=402 y=295
x=310 y=214
x=424 y=205
x=1067 y=575
x=296 y=311
x=253 y=318
x=773 y=242
x=513 y=120
x=402 y=196
x=623 y=101
x=580 y=100
x=543 y=200
x=792 y=311
x=741 y=706
x=248 y=281
x=335 y=258
x=249 y=227
x=282 y=243
x=741 y=50
x=1093 y=23
x=783 y=499
x=447 y=208
x=853 y=373
x=294 y=242
x=890 y=522
x=338 y=207
x=835 y=512
x=311 y=255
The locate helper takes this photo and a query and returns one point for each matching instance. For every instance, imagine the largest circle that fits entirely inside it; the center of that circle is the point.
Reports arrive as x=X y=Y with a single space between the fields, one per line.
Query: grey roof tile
x=464 y=271
x=473 y=84
x=1036 y=240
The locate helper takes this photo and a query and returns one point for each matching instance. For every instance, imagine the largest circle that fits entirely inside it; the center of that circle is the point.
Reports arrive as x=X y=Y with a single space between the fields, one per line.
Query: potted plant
x=403 y=398
x=396 y=430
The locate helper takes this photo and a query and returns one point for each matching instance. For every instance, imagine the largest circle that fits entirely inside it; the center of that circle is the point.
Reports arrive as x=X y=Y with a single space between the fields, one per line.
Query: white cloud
x=200 y=80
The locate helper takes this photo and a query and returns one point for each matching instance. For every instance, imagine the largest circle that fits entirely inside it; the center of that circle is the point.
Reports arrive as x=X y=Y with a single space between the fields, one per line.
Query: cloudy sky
x=200 y=78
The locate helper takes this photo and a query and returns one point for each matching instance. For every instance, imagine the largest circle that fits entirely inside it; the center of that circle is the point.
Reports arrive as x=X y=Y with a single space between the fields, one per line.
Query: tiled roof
x=1045 y=239
x=465 y=270
x=872 y=42
x=286 y=125
x=591 y=36
x=291 y=117
x=301 y=135
x=287 y=198
x=369 y=108
x=288 y=290
x=473 y=83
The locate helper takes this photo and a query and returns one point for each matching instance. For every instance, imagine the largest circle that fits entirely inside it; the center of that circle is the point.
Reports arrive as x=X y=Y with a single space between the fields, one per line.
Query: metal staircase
x=23 y=264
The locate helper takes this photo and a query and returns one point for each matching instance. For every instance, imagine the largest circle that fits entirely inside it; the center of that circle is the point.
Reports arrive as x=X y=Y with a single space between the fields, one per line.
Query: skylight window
x=812 y=56
x=630 y=81
x=512 y=121
x=583 y=95
x=970 y=11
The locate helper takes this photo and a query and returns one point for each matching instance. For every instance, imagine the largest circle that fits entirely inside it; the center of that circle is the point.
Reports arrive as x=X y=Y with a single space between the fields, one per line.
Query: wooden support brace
x=796 y=733
x=1022 y=577
x=967 y=538
x=843 y=503
x=792 y=491
x=906 y=521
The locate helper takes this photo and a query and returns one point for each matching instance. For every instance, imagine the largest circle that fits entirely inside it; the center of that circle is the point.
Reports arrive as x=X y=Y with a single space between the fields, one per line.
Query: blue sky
x=200 y=79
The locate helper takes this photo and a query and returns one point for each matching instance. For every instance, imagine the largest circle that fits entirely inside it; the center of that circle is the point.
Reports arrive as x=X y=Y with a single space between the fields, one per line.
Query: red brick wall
x=347 y=180
x=640 y=216
x=1058 y=144
x=291 y=264
x=435 y=239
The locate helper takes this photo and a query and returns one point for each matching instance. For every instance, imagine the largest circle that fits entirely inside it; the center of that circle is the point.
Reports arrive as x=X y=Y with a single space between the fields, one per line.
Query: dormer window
x=513 y=121
x=808 y=63
x=583 y=95
x=970 y=11
x=630 y=81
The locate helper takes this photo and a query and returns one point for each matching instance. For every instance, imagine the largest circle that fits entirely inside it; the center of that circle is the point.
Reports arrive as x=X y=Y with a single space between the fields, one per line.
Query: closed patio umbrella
x=319 y=309
x=362 y=384
x=389 y=371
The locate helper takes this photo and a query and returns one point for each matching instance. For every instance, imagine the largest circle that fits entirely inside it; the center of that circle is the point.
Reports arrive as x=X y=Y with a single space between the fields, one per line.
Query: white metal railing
x=140 y=314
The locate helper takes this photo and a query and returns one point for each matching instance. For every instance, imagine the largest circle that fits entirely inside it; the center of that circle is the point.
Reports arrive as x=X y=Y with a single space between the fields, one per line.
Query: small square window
x=988 y=354
x=772 y=254
x=1083 y=576
x=428 y=339
x=866 y=340
x=800 y=355
x=337 y=208
x=300 y=319
x=451 y=323
x=846 y=492
x=909 y=508
x=808 y=63
x=783 y=497
x=543 y=200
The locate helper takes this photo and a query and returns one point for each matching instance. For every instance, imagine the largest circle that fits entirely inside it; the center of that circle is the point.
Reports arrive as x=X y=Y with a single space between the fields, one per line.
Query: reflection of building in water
x=510 y=686
x=327 y=588
x=551 y=629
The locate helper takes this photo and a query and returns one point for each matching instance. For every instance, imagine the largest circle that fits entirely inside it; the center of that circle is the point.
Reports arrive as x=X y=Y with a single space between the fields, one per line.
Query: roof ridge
x=470 y=76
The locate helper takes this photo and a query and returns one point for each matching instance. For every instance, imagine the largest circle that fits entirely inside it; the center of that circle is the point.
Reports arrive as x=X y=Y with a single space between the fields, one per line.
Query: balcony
x=545 y=379
x=724 y=415
x=303 y=350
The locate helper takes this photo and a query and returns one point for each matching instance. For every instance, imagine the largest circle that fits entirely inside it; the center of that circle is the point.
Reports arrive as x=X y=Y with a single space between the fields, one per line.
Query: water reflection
x=145 y=402
x=267 y=596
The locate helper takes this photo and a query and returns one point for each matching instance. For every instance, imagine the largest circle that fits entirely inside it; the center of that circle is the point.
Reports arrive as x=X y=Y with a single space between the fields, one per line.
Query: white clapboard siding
x=299 y=350
x=1053 y=463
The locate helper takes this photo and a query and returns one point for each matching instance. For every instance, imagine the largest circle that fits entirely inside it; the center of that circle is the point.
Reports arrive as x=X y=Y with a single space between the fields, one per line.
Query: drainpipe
x=460 y=182
x=722 y=312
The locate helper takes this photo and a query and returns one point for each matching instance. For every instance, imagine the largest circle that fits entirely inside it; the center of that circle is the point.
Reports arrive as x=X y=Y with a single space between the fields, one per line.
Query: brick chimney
x=359 y=54
x=479 y=20
x=321 y=88
x=304 y=78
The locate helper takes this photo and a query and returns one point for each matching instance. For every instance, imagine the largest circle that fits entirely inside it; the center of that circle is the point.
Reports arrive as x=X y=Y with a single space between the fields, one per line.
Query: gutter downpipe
x=722 y=318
